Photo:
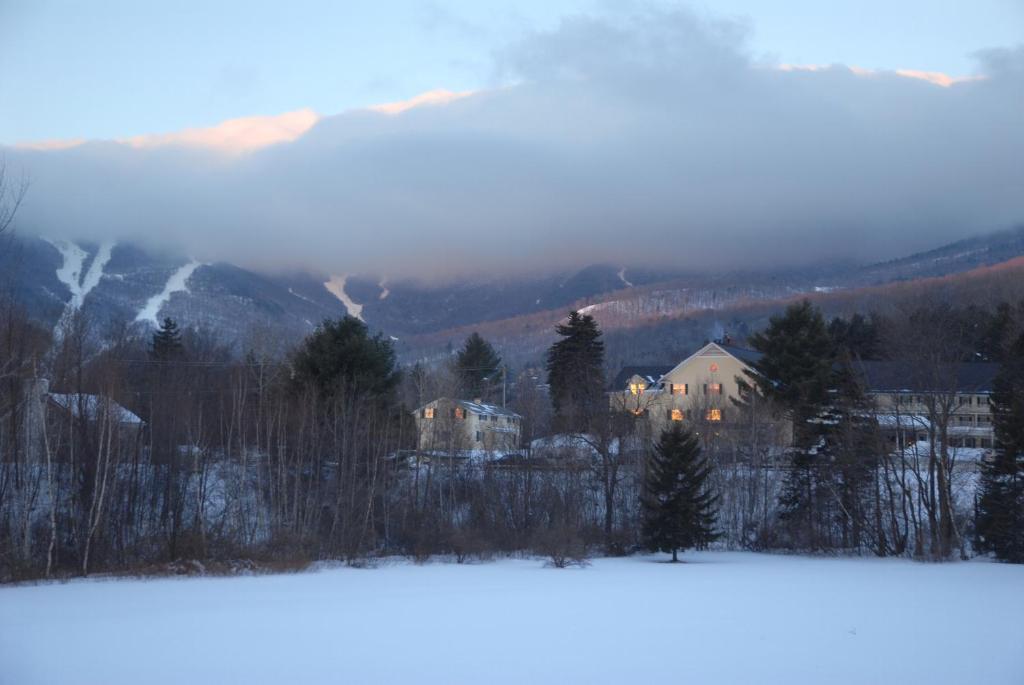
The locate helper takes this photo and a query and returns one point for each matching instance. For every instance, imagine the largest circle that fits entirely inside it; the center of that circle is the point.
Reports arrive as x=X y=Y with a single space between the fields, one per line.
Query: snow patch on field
x=336 y=286
x=721 y=618
x=178 y=282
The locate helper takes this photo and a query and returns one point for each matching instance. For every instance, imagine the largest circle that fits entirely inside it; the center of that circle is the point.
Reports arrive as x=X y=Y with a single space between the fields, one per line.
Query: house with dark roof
x=908 y=396
x=697 y=390
x=463 y=427
x=700 y=389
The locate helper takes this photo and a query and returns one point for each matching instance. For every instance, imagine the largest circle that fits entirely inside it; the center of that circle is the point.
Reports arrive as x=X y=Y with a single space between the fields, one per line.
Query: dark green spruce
x=166 y=344
x=478 y=366
x=679 y=508
x=575 y=366
x=1000 y=519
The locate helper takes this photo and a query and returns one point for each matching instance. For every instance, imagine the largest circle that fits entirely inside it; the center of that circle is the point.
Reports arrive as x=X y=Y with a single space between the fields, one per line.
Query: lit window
x=636 y=388
x=679 y=388
x=714 y=388
x=460 y=413
x=714 y=415
x=428 y=413
x=676 y=414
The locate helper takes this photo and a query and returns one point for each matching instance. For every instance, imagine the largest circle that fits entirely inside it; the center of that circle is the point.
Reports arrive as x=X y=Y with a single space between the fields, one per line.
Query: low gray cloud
x=648 y=136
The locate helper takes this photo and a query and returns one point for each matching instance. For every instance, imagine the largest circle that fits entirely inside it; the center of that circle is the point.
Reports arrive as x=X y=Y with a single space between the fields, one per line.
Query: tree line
x=280 y=460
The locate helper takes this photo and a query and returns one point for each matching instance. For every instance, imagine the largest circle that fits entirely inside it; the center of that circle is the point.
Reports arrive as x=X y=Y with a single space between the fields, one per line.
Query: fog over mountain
x=647 y=136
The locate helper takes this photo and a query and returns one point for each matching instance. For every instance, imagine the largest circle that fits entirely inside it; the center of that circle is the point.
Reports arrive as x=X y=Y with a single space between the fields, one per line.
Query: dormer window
x=636 y=388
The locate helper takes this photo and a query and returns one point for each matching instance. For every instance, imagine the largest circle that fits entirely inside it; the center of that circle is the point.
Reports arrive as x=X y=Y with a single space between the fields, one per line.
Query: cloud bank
x=643 y=137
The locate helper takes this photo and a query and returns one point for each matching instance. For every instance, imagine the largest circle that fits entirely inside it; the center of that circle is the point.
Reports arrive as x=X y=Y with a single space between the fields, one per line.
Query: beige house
x=698 y=390
x=701 y=389
x=463 y=427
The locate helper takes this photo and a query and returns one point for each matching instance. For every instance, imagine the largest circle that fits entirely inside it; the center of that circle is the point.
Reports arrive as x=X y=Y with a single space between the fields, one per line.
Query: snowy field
x=722 y=618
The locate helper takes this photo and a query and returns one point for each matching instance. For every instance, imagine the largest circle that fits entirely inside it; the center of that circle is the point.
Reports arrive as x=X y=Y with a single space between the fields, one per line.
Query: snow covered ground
x=723 y=618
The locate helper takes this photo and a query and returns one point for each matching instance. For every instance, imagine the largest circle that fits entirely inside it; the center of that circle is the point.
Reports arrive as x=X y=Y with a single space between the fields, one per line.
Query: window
x=714 y=415
x=479 y=436
x=459 y=413
x=966 y=400
x=714 y=388
x=679 y=388
x=676 y=414
x=636 y=388
x=428 y=412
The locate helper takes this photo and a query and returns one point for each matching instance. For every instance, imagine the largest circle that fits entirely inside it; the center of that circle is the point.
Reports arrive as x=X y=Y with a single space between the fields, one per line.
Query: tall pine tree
x=166 y=344
x=575 y=366
x=1001 y=503
x=796 y=373
x=678 y=506
x=477 y=365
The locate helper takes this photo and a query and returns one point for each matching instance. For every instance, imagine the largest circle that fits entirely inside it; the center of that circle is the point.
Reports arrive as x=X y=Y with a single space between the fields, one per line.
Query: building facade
x=460 y=426
x=701 y=390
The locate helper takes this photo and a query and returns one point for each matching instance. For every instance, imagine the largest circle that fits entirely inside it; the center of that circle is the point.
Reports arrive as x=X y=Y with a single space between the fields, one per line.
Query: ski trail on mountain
x=178 y=282
x=70 y=271
x=336 y=287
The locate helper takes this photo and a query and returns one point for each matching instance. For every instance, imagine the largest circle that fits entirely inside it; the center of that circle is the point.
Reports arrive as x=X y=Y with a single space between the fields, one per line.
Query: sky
x=120 y=68
x=445 y=136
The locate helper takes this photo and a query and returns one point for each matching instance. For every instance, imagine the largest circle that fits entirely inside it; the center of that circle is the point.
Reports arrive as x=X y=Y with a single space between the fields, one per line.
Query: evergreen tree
x=477 y=365
x=795 y=369
x=859 y=337
x=575 y=366
x=796 y=373
x=1000 y=519
x=341 y=354
x=166 y=344
x=678 y=507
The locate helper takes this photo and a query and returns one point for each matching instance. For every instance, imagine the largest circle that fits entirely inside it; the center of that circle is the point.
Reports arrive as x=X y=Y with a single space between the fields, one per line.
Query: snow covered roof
x=481 y=409
x=651 y=374
x=902 y=421
x=93 y=405
x=478 y=408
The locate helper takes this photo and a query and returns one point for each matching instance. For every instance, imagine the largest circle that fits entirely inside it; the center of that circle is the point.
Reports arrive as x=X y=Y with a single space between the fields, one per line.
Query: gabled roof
x=92 y=406
x=902 y=376
x=649 y=373
x=718 y=350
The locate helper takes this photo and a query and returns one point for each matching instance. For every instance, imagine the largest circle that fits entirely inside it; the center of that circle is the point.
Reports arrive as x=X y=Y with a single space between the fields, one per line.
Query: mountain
x=116 y=284
x=963 y=255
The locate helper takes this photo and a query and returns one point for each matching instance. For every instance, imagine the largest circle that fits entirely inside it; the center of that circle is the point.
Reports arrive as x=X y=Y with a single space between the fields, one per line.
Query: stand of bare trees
x=143 y=453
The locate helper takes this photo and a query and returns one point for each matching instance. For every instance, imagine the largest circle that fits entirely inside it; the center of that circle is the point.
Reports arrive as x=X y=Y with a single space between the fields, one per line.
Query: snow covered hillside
x=722 y=618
